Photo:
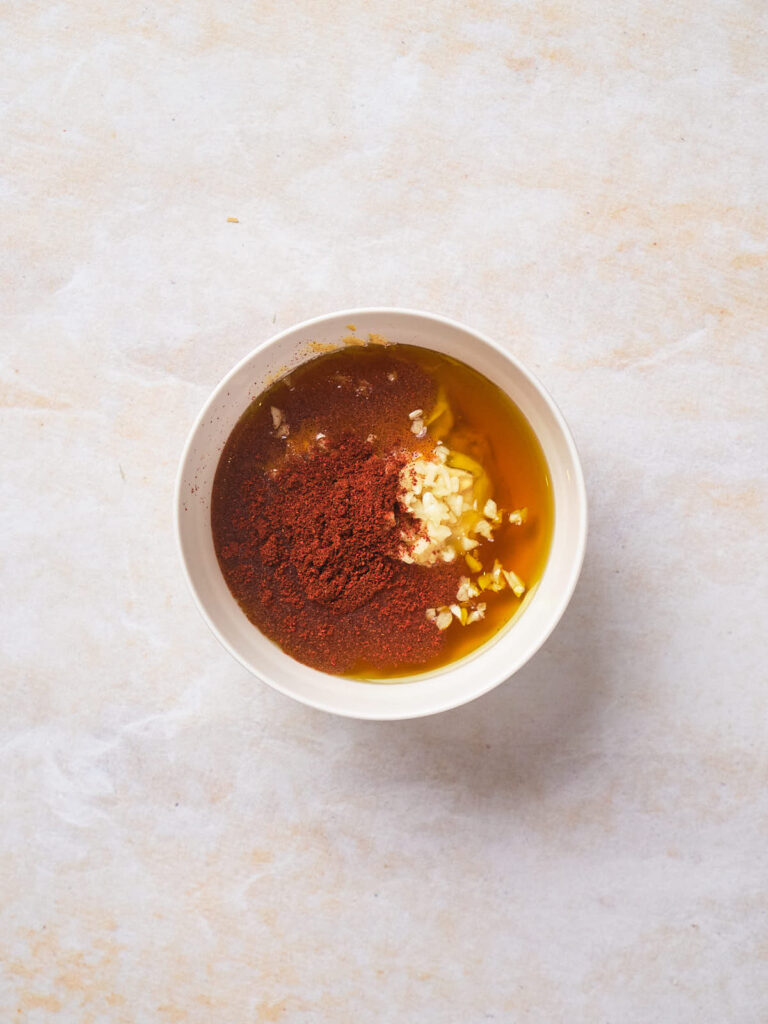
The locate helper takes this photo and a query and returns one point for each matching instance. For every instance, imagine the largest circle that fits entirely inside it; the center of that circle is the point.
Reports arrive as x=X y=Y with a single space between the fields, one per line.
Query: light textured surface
x=588 y=183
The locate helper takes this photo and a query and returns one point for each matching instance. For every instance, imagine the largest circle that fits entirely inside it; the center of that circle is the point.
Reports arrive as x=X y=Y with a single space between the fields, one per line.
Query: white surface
x=437 y=691
x=182 y=845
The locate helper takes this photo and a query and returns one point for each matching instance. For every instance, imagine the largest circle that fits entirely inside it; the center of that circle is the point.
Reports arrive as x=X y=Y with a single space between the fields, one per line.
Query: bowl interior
x=429 y=693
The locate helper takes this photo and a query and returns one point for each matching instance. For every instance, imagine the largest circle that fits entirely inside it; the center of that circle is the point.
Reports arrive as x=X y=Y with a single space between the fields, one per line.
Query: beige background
x=587 y=183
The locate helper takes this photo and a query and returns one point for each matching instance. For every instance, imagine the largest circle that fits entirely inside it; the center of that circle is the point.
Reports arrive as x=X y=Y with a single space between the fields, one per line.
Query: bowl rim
x=566 y=592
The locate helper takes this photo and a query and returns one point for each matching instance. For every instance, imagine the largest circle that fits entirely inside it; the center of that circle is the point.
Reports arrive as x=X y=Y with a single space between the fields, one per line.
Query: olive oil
x=489 y=427
x=369 y=392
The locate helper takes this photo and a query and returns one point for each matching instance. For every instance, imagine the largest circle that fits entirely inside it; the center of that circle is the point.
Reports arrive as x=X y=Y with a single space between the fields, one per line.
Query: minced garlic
x=282 y=429
x=443 y=491
x=477 y=613
x=441 y=498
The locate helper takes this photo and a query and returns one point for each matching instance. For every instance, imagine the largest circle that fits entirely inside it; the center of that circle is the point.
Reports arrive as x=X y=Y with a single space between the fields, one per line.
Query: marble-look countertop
x=178 y=843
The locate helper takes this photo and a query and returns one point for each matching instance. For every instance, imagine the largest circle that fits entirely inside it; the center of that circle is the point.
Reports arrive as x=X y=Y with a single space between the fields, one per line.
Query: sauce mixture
x=380 y=511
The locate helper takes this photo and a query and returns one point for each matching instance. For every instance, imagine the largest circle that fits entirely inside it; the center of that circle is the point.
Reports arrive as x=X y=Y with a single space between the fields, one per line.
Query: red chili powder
x=310 y=553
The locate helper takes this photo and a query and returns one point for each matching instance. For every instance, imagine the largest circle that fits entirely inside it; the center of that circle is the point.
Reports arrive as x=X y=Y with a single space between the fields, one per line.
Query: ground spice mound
x=311 y=555
x=337 y=512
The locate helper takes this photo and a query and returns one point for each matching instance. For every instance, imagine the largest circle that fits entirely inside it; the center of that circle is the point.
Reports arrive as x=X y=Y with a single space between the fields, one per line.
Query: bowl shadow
x=529 y=734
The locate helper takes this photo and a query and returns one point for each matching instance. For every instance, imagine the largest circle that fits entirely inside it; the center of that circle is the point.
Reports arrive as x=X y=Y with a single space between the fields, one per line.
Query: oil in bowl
x=381 y=511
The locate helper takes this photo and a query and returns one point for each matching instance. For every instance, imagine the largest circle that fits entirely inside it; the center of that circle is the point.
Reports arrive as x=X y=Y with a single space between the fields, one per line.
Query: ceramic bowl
x=427 y=693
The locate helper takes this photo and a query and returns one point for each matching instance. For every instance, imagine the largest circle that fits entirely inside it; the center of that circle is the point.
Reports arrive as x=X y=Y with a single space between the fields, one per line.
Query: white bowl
x=424 y=694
